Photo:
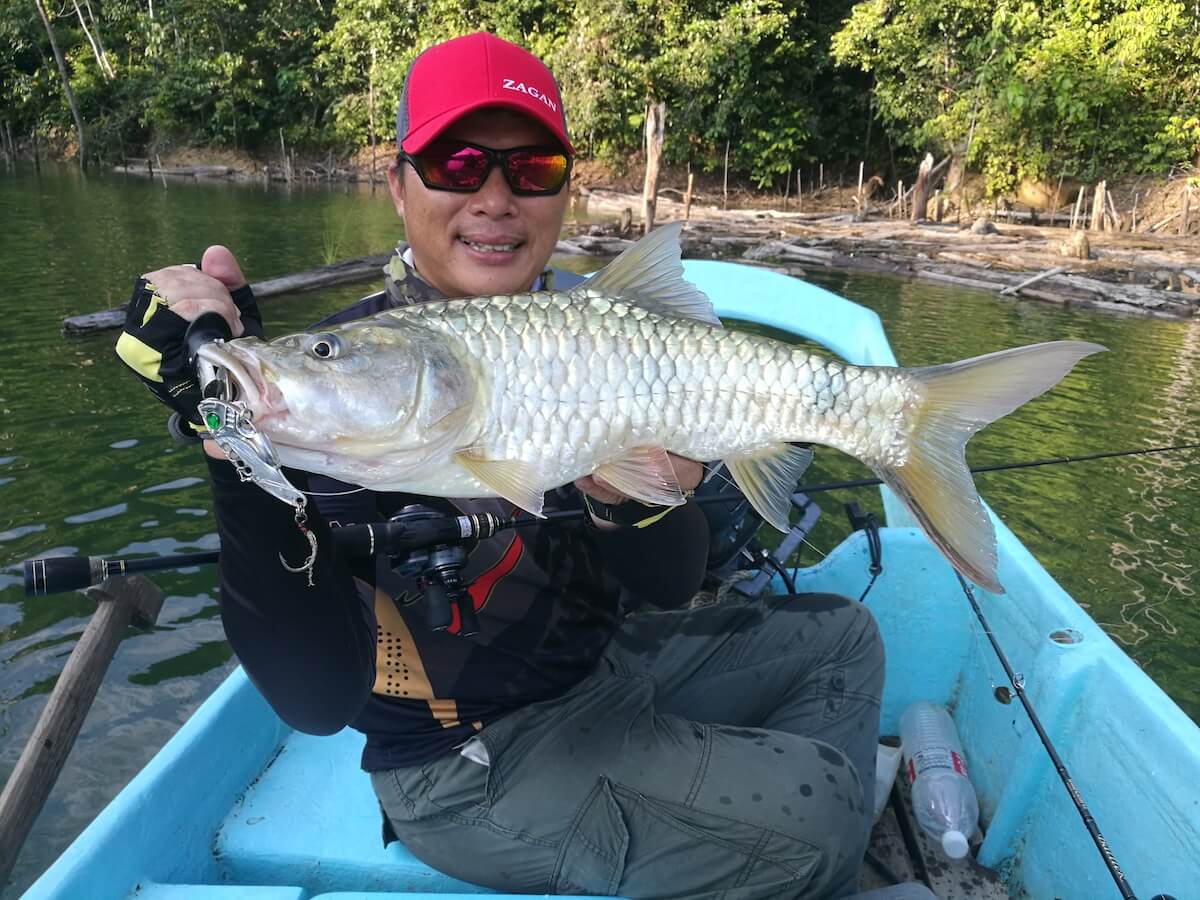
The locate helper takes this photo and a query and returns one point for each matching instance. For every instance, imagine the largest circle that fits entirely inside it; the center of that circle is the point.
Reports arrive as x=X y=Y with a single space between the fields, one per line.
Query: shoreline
x=1011 y=252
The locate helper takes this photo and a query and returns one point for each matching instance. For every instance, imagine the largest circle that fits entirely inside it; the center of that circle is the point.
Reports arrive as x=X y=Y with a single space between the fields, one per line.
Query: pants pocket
x=592 y=858
x=625 y=842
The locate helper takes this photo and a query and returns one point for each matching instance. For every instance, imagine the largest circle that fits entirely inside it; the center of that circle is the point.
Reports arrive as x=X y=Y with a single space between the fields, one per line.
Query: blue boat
x=237 y=805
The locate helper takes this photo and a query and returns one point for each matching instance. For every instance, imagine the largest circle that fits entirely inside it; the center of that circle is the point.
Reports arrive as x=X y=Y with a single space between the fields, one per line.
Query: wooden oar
x=120 y=602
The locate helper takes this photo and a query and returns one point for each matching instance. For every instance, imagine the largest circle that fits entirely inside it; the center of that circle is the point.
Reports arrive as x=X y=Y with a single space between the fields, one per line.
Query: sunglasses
x=462 y=167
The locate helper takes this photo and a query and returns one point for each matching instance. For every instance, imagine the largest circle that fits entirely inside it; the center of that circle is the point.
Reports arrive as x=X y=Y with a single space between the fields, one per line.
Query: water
x=86 y=467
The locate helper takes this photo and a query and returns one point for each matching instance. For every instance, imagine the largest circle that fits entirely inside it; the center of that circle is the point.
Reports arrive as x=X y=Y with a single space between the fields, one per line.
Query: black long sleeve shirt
x=354 y=649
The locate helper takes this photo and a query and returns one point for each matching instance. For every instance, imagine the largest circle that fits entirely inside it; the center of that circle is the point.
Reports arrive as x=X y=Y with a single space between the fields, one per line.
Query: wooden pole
x=725 y=187
x=822 y=176
x=656 y=120
x=799 y=192
x=371 y=114
x=787 y=188
x=1097 y=223
x=1133 y=214
x=1078 y=211
x=1185 y=210
x=921 y=189
x=120 y=602
x=687 y=198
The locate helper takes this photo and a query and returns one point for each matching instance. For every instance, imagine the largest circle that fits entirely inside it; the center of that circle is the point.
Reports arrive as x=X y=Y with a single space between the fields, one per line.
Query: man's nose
x=494 y=198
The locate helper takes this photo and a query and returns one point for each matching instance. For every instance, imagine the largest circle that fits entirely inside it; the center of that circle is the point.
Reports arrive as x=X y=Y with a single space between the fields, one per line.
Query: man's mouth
x=488 y=247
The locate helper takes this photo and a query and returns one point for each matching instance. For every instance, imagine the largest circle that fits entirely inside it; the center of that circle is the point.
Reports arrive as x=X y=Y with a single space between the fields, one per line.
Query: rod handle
x=54 y=574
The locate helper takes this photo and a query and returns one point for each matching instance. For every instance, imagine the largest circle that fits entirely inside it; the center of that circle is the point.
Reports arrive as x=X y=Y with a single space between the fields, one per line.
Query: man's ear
x=395 y=178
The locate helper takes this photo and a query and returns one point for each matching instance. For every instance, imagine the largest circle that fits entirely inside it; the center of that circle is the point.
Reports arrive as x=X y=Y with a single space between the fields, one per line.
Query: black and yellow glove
x=152 y=345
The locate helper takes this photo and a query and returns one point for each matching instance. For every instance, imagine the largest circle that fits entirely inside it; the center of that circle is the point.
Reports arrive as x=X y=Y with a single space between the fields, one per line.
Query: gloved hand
x=164 y=302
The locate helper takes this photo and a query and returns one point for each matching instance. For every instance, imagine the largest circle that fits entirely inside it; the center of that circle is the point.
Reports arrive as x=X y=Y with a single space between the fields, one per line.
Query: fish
x=515 y=395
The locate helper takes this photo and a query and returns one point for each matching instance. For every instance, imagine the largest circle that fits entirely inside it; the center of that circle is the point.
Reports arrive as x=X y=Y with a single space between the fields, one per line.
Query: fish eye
x=324 y=346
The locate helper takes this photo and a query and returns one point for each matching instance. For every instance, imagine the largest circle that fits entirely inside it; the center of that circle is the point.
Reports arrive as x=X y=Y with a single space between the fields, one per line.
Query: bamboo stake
x=1185 y=212
x=787 y=188
x=687 y=198
x=120 y=601
x=1133 y=214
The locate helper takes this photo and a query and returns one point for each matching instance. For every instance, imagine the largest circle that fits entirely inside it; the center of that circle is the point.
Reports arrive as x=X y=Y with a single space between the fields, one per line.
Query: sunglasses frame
x=494 y=158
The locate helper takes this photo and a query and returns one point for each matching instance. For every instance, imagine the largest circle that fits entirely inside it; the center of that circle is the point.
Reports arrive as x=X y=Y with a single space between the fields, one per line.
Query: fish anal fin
x=650 y=274
x=768 y=477
x=645 y=474
x=512 y=479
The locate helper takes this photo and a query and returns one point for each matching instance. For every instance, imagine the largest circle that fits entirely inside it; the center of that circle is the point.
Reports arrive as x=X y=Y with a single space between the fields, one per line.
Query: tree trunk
x=97 y=50
x=921 y=189
x=66 y=81
x=656 y=116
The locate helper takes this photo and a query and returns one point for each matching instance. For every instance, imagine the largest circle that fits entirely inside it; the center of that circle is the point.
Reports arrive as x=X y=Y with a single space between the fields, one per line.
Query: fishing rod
x=55 y=574
x=1018 y=683
x=1002 y=467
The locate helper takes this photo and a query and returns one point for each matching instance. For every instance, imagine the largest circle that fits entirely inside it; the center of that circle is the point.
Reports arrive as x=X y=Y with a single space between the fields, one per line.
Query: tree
x=66 y=84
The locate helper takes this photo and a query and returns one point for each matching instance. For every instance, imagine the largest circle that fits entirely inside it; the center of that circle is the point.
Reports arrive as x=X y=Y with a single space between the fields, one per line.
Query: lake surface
x=86 y=465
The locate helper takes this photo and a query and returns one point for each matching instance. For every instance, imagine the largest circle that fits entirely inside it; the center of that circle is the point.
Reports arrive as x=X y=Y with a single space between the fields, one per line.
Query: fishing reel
x=437 y=568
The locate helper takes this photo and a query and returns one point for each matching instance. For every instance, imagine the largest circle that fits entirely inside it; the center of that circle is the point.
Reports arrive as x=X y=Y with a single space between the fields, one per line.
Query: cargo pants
x=723 y=753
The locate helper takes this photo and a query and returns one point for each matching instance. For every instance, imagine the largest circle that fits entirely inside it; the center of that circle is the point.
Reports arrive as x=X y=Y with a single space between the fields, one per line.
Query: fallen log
x=1057 y=270
x=180 y=171
x=363 y=268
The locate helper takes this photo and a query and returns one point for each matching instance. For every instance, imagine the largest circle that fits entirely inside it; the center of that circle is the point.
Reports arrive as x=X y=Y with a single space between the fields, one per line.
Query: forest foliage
x=1016 y=88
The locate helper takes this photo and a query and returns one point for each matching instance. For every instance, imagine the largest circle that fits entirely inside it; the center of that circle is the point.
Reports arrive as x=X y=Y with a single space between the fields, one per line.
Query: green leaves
x=1021 y=87
x=1074 y=86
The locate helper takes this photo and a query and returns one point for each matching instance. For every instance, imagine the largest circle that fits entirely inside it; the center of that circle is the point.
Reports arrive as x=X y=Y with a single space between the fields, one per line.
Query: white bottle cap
x=955 y=844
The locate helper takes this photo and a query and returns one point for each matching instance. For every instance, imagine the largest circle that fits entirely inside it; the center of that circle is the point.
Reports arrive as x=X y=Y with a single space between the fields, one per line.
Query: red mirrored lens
x=536 y=171
x=455 y=168
x=464 y=167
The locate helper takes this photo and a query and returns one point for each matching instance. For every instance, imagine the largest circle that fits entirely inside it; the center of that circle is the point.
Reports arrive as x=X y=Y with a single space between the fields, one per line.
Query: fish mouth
x=243 y=376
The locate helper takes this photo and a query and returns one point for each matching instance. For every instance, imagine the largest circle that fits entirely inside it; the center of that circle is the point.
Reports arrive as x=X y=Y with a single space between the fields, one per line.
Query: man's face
x=488 y=242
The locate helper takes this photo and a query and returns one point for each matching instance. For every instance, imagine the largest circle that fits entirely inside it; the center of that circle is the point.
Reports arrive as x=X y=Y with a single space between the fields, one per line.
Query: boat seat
x=311 y=819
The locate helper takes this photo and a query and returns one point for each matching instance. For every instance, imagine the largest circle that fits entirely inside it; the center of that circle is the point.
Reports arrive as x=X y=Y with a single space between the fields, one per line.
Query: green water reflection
x=86 y=467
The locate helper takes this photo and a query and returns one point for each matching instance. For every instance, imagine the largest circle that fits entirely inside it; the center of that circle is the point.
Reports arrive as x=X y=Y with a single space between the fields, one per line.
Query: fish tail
x=958 y=399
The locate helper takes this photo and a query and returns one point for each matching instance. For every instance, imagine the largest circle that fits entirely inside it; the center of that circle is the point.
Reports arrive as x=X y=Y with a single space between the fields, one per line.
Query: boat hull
x=238 y=805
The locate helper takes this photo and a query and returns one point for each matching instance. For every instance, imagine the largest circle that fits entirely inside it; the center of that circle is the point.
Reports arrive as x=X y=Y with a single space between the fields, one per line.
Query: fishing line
x=1002 y=467
x=1018 y=683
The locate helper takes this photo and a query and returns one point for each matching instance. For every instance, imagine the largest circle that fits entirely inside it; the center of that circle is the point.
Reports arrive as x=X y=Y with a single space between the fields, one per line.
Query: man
x=726 y=751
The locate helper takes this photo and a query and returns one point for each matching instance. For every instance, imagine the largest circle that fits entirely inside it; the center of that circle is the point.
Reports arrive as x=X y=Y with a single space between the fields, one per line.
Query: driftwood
x=181 y=171
x=364 y=268
x=1040 y=276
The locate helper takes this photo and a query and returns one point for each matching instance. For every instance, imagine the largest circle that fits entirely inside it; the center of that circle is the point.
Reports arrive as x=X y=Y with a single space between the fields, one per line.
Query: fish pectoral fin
x=645 y=474
x=768 y=477
x=512 y=479
x=650 y=275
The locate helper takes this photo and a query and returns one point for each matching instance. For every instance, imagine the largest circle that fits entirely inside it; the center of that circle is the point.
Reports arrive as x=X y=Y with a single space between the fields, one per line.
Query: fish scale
x=545 y=354
x=515 y=395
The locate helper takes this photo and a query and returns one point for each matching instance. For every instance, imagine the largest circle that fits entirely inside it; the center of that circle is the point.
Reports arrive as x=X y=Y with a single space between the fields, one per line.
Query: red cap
x=459 y=76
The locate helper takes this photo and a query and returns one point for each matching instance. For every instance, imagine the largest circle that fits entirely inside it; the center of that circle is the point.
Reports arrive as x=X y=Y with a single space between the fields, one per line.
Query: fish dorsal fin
x=768 y=477
x=515 y=481
x=644 y=473
x=650 y=275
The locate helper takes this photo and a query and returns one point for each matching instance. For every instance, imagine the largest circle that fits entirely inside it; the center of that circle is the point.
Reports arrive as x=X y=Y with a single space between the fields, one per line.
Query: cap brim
x=420 y=138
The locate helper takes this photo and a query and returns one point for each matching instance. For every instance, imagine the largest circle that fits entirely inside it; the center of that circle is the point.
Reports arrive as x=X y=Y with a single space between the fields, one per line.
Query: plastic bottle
x=943 y=797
